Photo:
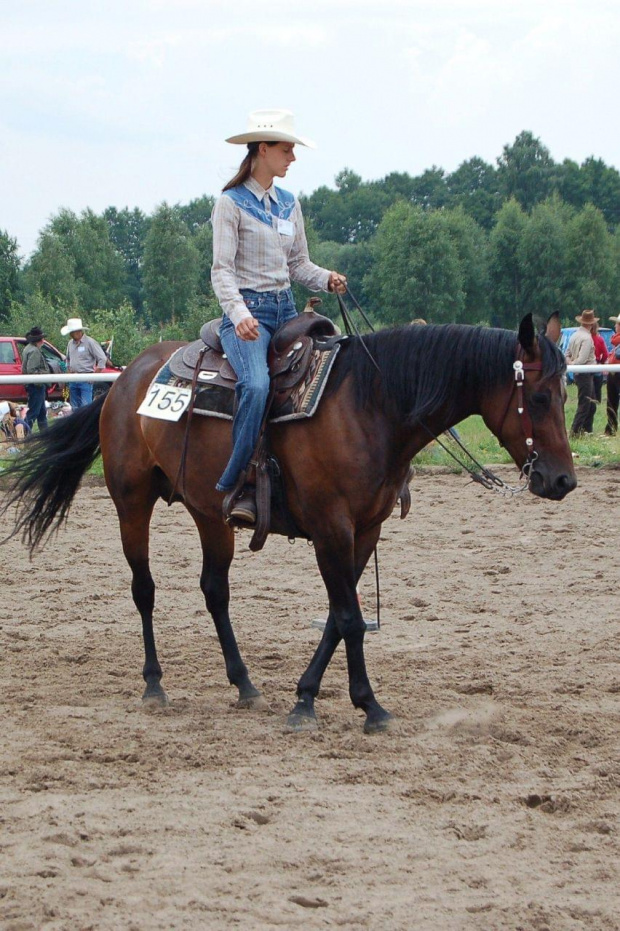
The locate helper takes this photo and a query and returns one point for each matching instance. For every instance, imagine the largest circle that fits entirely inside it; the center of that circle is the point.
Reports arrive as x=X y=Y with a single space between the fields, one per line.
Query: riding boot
x=239 y=505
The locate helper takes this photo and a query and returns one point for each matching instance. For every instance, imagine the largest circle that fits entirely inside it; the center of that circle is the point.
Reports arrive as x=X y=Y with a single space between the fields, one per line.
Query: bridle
x=480 y=473
x=520 y=368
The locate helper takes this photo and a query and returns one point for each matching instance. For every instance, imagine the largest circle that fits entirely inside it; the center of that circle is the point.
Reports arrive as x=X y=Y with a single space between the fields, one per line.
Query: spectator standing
x=613 y=381
x=581 y=352
x=600 y=357
x=84 y=356
x=33 y=363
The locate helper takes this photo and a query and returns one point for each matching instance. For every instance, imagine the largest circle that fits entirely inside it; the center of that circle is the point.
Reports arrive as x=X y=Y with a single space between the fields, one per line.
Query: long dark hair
x=245 y=168
x=426 y=367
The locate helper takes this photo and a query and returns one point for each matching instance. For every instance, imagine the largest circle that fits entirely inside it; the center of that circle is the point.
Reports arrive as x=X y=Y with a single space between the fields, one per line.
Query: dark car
x=567 y=331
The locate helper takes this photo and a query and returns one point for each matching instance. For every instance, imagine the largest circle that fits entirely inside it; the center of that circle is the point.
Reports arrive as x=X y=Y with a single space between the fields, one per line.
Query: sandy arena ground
x=492 y=804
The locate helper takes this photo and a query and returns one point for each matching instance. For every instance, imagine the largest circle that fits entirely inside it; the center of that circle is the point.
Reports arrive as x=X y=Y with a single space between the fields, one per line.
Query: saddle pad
x=216 y=401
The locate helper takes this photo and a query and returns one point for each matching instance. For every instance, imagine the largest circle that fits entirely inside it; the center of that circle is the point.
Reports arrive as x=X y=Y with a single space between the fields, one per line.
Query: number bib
x=165 y=402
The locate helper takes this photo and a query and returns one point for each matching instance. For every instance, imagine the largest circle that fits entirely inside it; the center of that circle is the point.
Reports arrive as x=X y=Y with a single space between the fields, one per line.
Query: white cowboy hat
x=271 y=126
x=615 y=319
x=73 y=324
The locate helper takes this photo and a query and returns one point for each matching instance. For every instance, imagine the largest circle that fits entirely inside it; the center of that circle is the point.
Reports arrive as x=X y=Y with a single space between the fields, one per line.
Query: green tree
x=127 y=230
x=473 y=251
x=203 y=241
x=197 y=213
x=474 y=187
x=51 y=271
x=526 y=171
x=615 y=246
x=355 y=260
x=171 y=266
x=9 y=272
x=352 y=213
x=591 y=264
x=602 y=184
x=430 y=190
x=36 y=310
x=76 y=264
x=120 y=324
x=417 y=271
x=507 y=299
x=542 y=254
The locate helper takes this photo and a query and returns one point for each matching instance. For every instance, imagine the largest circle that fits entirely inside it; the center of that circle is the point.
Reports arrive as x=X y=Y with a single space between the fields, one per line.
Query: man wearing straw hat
x=581 y=352
x=84 y=356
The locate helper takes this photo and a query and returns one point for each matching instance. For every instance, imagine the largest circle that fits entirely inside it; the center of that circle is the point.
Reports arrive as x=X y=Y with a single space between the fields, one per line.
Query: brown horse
x=342 y=469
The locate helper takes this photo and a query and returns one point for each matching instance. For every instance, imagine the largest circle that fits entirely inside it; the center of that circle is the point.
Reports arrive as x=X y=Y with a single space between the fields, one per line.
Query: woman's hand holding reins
x=337 y=282
x=247 y=329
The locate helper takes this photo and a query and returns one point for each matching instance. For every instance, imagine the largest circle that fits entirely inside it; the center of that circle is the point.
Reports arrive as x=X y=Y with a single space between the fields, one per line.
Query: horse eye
x=541 y=400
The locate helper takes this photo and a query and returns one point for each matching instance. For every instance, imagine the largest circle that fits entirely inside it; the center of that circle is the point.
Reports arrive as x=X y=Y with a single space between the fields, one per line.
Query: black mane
x=424 y=368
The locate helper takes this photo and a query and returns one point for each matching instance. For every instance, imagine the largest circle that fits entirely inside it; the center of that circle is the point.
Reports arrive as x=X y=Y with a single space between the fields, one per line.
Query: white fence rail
x=584 y=369
x=53 y=379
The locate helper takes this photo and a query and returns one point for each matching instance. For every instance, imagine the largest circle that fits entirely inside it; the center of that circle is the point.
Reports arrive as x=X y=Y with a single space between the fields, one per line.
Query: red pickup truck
x=11 y=348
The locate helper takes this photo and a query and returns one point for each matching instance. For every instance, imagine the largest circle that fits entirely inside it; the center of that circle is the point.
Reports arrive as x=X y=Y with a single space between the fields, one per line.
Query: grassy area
x=595 y=450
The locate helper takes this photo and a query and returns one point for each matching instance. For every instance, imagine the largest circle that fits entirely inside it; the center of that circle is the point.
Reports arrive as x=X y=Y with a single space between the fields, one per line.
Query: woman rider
x=259 y=245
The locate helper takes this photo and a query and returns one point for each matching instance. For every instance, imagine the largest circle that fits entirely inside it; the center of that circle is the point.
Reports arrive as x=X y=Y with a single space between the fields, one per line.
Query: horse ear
x=554 y=330
x=527 y=334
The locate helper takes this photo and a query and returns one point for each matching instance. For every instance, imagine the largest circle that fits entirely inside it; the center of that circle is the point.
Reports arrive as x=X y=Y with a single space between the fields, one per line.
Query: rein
x=484 y=476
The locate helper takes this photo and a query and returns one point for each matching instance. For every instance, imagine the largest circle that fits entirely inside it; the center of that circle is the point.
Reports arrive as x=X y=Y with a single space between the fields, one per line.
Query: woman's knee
x=256 y=384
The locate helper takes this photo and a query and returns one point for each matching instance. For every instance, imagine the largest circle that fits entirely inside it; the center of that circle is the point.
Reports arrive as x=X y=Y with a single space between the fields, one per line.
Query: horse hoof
x=378 y=725
x=300 y=723
x=155 y=698
x=254 y=703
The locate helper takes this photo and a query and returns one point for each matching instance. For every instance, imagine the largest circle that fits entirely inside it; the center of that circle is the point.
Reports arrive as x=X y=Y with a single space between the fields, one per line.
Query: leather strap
x=180 y=476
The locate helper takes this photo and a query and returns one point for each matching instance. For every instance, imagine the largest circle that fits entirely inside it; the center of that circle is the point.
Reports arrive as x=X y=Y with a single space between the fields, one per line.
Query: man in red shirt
x=613 y=382
x=600 y=355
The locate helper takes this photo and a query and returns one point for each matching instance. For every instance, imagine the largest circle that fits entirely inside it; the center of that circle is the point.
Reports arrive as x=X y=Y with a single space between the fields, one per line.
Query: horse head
x=527 y=415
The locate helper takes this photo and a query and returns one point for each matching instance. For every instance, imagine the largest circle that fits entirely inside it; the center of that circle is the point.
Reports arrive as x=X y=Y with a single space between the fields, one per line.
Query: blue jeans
x=80 y=393
x=36 y=406
x=249 y=360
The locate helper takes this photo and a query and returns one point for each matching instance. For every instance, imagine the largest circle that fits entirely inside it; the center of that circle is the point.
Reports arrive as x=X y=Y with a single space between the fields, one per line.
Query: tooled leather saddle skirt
x=301 y=355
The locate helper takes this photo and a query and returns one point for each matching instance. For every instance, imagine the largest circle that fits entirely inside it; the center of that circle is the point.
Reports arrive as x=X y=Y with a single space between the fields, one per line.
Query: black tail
x=45 y=478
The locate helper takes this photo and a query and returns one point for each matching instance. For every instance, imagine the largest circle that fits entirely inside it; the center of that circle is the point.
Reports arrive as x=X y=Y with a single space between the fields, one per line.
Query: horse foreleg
x=217 y=553
x=134 y=518
x=303 y=714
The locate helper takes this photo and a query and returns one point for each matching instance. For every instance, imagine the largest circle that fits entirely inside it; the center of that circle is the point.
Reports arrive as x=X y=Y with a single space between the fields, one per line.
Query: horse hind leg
x=217 y=552
x=134 y=513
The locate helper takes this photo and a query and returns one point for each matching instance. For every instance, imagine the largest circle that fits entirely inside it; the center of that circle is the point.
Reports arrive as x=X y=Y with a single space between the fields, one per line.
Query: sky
x=128 y=102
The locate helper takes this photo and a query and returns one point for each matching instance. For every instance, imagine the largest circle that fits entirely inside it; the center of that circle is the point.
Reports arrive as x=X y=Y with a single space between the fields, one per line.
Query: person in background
x=84 y=356
x=13 y=425
x=581 y=352
x=613 y=381
x=259 y=247
x=600 y=357
x=33 y=363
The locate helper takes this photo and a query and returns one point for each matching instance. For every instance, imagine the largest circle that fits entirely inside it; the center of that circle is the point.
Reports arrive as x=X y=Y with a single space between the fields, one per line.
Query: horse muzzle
x=553 y=486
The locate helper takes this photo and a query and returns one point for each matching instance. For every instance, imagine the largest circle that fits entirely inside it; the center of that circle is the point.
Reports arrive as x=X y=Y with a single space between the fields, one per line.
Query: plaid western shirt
x=251 y=251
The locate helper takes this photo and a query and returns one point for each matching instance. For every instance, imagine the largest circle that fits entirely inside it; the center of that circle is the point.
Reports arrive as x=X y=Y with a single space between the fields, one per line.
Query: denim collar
x=249 y=197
